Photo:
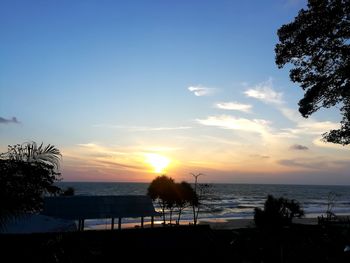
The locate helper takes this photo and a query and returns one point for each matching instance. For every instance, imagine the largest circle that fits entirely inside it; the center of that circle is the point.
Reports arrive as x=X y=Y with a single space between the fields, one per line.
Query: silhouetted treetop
x=317 y=44
x=27 y=172
x=277 y=212
x=31 y=152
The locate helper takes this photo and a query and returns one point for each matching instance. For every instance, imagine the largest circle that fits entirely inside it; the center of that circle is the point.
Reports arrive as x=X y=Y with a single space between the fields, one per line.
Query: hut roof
x=94 y=207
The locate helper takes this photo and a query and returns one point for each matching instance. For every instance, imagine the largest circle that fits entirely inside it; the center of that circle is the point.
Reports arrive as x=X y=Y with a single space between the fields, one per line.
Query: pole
x=112 y=224
x=119 y=223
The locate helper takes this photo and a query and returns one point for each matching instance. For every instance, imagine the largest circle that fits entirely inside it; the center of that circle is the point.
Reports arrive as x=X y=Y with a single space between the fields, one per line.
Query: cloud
x=234 y=106
x=201 y=90
x=7 y=121
x=298 y=147
x=312 y=127
x=264 y=92
x=259 y=156
x=87 y=145
x=320 y=143
x=162 y=149
x=300 y=163
x=233 y=123
x=316 y=163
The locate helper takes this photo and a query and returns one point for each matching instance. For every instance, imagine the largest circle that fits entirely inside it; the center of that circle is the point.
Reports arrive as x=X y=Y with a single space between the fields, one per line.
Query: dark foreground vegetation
x=296 y=243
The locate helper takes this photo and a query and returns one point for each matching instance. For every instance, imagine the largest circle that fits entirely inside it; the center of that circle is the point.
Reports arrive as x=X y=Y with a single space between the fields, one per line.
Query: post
x=82 y=225
x=142 y=222
x=112 y=224
x=119 y=223
x=152 y=221
x=79 y=225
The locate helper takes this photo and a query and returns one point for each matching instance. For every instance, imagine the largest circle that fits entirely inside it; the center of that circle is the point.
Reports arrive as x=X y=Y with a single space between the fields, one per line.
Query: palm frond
x=31 y=152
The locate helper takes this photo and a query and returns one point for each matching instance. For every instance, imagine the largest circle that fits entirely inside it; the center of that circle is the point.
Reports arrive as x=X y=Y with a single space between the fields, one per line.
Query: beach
x=220 y=224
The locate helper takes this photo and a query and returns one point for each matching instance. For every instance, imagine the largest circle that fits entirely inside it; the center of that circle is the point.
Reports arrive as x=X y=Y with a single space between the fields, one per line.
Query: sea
x=231 y=201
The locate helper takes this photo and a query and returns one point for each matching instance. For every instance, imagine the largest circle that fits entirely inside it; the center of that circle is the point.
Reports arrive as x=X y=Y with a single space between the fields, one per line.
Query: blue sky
x=109 y=82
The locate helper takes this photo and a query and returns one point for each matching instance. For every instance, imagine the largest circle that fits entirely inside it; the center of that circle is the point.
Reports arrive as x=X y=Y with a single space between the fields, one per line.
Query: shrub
x=277 y=212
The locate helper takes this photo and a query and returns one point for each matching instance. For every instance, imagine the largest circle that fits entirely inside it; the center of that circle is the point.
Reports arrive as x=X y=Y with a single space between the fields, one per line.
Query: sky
x=128 y=90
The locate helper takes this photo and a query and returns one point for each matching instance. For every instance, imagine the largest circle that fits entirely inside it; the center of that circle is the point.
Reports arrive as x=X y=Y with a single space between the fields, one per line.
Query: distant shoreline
x=204 y=182
x=219 y=223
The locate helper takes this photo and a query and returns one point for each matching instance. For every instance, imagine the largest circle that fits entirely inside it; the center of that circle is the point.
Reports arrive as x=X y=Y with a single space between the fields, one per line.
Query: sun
x=158 y=162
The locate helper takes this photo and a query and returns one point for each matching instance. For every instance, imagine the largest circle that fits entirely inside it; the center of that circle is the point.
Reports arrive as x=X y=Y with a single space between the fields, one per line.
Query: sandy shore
x=248 y=223
x=38 y=223
x=213 y=223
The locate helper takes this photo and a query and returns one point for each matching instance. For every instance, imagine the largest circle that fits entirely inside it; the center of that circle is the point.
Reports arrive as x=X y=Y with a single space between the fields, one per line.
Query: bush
x=69 y=191
x=277 y=212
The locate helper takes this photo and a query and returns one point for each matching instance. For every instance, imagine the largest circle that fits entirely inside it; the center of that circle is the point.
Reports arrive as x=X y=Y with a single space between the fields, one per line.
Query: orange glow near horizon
x=157 y=161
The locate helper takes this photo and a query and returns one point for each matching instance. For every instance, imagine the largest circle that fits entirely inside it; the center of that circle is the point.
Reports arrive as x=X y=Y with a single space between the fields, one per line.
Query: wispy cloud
x=233 y=123
x=8 y=121
x=260 y=156
x=315 y=163
x=142 y=128
x=320 y=143
x=264 y=92
x=200 y=90
x=87 y=145
x=162 y=149
x=298 y=147
x=105 y=158
x=312 y=127
x=234 y=106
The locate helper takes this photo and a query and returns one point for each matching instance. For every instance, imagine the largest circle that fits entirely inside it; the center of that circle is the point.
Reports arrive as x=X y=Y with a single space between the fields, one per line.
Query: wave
x=233 y=200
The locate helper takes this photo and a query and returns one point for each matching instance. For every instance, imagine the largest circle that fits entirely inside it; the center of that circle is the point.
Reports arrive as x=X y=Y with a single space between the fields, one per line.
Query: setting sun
x=158 y=162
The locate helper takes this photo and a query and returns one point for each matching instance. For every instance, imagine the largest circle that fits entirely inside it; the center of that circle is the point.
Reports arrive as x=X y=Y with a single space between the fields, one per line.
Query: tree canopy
x=27 y=172
x=172 y=195
x=317 y=44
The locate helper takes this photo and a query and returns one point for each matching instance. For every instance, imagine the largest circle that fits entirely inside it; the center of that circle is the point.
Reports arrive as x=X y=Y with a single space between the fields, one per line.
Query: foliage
x=277 y=212
x=317 y=44
x=331 y=200
x=186 y=196
x=171 y=195
x=203 y=192
x=31 y=152
x=69 y=191
x=162 y=189
x=26 y=173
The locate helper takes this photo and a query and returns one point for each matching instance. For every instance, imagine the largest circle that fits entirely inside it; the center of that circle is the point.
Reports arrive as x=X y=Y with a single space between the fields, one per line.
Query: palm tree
x=28 y=171
x=31 y=152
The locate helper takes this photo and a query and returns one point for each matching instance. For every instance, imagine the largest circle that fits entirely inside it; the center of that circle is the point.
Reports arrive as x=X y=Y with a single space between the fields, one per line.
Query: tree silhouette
x=69 y=191
x=277 y=212
x=27 y=172
x=317 y=44
x=162 y=190
x=186 y=196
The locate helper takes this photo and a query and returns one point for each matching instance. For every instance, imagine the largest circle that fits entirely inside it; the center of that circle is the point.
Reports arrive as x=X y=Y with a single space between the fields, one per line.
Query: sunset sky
x=131 y=89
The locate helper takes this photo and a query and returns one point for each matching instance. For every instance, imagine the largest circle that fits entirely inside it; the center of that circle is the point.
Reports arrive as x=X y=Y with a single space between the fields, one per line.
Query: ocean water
x=230 y=201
